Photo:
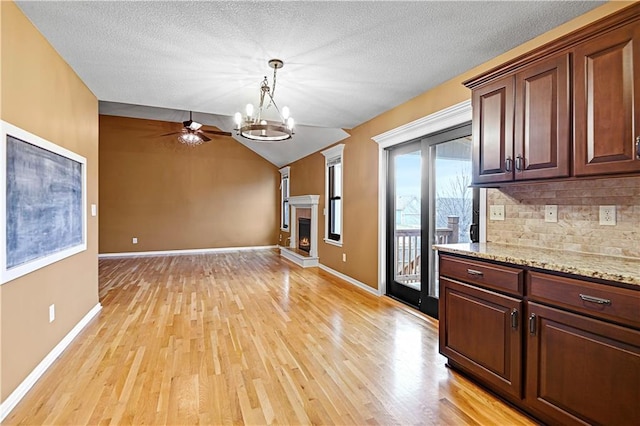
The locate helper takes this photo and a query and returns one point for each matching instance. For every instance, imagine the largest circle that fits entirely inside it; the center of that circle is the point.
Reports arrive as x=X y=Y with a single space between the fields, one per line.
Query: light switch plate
x=496 y=212
x=134 y=240
x=94 y=210
x=551 y=213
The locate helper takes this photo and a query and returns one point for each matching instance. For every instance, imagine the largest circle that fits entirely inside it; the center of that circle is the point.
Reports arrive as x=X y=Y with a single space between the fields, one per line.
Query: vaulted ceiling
x=345 y=62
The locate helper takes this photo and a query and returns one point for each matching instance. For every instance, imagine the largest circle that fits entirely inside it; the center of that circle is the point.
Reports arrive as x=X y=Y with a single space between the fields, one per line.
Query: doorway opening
x=428 y=202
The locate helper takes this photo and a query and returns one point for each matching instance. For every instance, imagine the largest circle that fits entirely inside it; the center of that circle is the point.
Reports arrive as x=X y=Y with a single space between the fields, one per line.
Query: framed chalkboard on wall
x=43 y=216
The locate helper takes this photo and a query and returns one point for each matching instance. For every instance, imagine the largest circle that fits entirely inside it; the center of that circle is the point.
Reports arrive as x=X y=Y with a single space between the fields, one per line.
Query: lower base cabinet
x=581 y=370
x=566 y=350
x=482 y=334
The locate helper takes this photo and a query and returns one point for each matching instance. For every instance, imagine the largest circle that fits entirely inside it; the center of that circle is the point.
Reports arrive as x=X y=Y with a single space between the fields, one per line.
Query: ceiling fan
x=192 y=133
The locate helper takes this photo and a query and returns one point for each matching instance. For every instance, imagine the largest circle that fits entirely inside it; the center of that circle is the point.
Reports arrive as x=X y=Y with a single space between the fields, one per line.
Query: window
x=284 y=198
x=333 y=194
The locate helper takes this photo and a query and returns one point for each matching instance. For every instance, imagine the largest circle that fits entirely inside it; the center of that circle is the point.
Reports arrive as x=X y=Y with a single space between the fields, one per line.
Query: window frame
x=285 y=175
x=333 y=157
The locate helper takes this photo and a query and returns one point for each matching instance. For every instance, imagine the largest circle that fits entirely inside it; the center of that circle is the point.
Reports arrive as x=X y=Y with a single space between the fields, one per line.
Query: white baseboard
x=22 y=389
x=181 y=252
x=350 y=280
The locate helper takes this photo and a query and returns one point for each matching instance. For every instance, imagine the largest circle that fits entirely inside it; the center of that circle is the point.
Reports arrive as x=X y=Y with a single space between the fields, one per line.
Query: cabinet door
x=542 y=137
x=581 y=370
x=480 y=332
x=607 y=103
x=493 y=132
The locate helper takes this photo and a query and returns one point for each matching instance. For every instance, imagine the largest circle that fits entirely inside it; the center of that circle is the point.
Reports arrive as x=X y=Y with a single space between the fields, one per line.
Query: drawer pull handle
x=514 y=319
x=597 y=300
x=475 y=273
x=532 y=324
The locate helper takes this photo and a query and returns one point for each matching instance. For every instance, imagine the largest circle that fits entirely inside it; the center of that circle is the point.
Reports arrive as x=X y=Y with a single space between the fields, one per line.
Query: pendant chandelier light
x=254 y=125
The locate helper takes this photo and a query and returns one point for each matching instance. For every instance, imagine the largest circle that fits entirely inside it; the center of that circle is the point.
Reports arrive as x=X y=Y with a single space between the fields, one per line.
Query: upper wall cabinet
x=542 y=138
x=526 y=125
x=521 y=124
x=493 y=131
x=607 y=103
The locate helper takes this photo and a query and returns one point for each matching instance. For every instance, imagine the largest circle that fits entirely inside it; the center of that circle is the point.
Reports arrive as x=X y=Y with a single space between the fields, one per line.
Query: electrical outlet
x=496 y=212
x=608 y=215
x=344 y=257
x=134 y=240
x=551 y=213
x=52 y=313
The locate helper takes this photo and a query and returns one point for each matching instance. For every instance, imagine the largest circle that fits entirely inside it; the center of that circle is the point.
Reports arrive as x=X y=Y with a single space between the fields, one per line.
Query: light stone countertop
x=619 y=269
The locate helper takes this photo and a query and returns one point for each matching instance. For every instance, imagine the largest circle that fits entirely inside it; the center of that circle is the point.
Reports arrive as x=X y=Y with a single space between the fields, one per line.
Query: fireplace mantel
x=304 y=200
x=291 y=252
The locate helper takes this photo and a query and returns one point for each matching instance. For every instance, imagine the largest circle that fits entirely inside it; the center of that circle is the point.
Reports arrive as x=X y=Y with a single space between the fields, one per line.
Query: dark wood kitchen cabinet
x=570 y=108
x=583 y=351
x=565 y=349
x=542 y=139
x=480 y=328
x=521 y=124
x=492 y=124
x=607 y=103
x=581 y=370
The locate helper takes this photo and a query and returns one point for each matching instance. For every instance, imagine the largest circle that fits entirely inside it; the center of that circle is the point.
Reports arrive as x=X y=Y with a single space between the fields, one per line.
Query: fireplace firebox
x=304 y=234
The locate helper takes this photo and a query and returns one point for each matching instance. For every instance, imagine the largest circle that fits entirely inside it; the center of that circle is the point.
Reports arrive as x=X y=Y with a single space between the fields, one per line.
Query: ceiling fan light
x=190 y=139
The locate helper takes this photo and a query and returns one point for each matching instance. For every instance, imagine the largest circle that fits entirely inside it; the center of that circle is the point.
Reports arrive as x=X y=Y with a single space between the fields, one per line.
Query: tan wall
x=41 y=94
x=361 y=159
x=171 y=196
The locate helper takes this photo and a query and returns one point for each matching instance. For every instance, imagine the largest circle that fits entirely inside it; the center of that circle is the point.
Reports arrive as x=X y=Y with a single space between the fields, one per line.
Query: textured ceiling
x=345 y=62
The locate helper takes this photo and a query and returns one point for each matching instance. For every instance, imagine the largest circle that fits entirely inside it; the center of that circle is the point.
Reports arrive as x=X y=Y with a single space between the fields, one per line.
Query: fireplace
x=303 y=246
x=304 y=234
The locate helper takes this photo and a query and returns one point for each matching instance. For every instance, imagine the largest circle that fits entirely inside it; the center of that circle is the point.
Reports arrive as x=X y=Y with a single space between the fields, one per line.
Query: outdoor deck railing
x=408 y=249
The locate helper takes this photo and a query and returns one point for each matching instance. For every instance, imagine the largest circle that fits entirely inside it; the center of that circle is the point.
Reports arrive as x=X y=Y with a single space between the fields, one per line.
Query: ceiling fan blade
x=204 y=138
x=217 y=132
x=172 y=133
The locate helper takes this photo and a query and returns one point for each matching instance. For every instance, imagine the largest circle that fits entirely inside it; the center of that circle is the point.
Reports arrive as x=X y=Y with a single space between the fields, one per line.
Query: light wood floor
x=247 y=337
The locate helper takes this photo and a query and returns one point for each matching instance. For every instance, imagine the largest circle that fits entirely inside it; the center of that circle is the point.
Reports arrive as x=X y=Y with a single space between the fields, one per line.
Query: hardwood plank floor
x=246 y=337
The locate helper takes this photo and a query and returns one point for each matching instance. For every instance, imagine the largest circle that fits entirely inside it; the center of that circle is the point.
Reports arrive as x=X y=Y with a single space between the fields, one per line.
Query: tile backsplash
x=578 y=227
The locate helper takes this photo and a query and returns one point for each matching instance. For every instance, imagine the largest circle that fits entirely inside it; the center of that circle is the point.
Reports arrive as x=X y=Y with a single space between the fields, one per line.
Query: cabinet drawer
x=616 y=304
x=488 y=275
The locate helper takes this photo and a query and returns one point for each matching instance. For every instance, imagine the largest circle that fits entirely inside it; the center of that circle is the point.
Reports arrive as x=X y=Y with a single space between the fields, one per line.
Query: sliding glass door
x=428 y=202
